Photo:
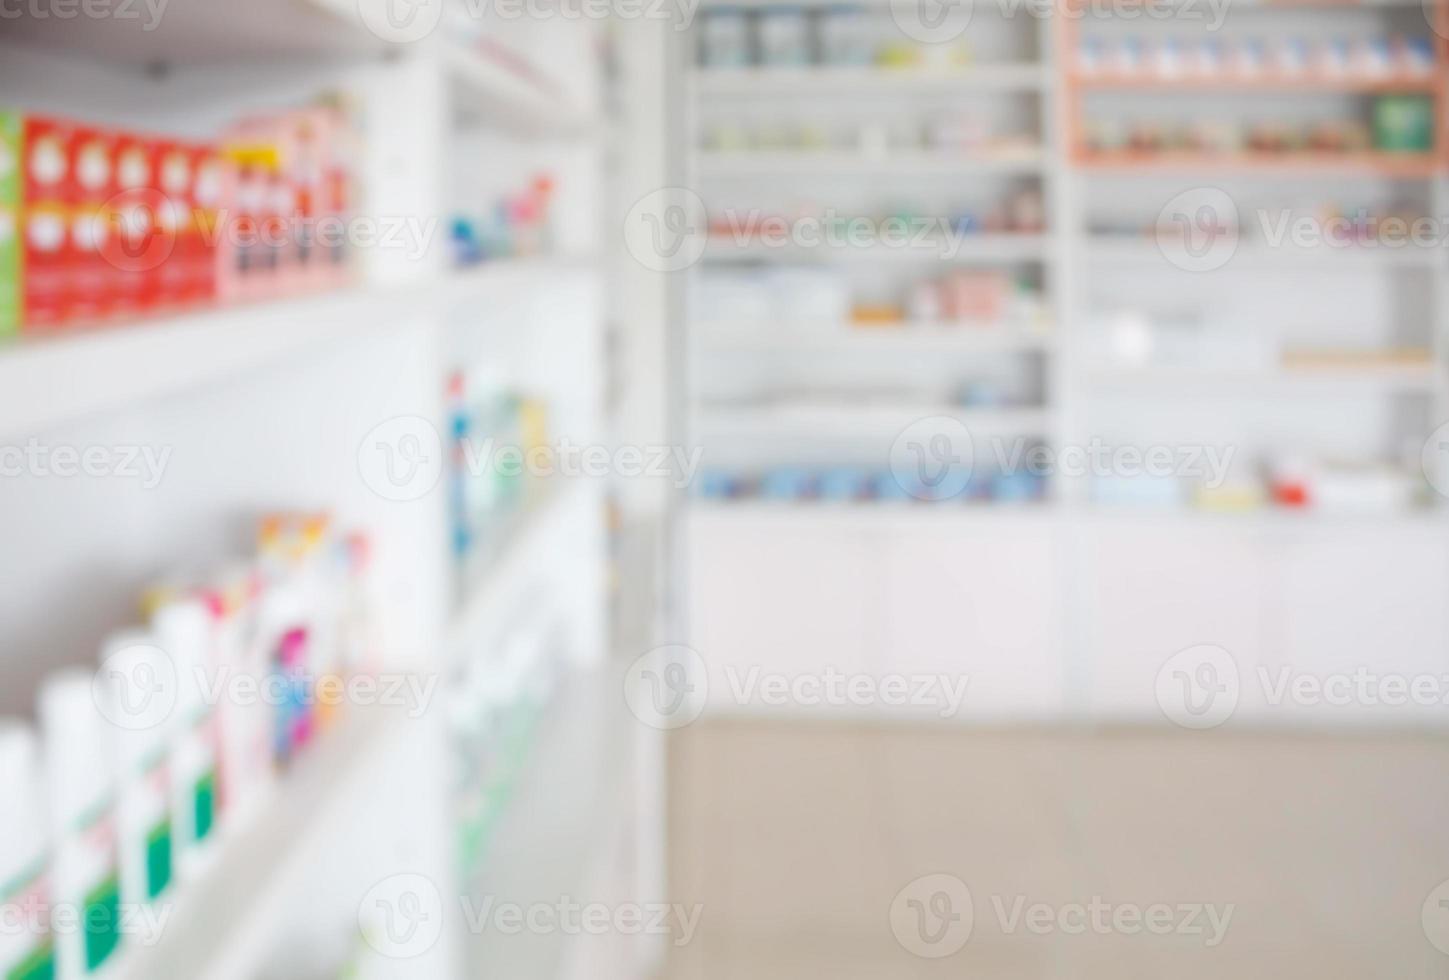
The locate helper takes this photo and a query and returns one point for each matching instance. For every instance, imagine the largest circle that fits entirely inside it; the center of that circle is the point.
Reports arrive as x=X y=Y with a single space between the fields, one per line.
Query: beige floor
x=795 y=840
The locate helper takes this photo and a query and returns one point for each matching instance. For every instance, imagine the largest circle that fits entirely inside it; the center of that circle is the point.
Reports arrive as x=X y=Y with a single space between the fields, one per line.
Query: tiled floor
x=796 y=840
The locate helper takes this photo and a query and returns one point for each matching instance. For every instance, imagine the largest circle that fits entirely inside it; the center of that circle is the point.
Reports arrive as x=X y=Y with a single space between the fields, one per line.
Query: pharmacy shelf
x=1258 y=255
x=47 y=381
x=531 y=273
x=527 y=549
x=492 y=92
x=225 y=922
x=50 y=380
x=1327 y=380
x=816 y=163
x=980 y=249
x=905 y=339
x=1408 y=166
x=849 y=420
x=1071 y=518
x=879 y=514
x=557 y=826
x=1236 y=84
x=868 y=81
x=201 y=34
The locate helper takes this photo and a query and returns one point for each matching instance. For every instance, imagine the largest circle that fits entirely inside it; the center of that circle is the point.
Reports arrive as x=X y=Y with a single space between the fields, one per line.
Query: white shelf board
x=555 y=829
x=203 y=33
x=226 y=920
x=46 y=381
x=1389 y=379
x=867 y=81
x=491 y=92
x=915 y=163
x=938 y=514
x=981 y=249
x=847 y=420
x=1251 y=256
x=907 y=338
x=50 y=380
x=471 y=283
x=879 y=514
x=527 y=551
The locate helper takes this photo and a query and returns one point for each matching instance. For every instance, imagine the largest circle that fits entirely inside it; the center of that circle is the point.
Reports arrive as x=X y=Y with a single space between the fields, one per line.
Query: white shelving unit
x=733 y=359
x=845 y=83
x=1066 y=610
x=910 y=339
x=810 y=163
x=267 y=405
x=972 y=249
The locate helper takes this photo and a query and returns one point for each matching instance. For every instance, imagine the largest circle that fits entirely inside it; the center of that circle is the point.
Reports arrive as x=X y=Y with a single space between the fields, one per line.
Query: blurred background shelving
x=1317 y=367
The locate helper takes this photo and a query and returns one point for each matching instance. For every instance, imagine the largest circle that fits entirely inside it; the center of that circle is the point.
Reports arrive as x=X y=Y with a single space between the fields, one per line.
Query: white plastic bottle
x=183 y=629
x=362 y=634
x=243 y=717
x=80 y=794
x=27 y=949
x=285 y=643
x=142 y=707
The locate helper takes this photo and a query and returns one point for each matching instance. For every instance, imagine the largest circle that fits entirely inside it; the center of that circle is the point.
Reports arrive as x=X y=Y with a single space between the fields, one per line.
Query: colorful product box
x=317 y=155
x=91 y=282
x=304 y=157
x=99 y=225
x=247 y=259
x=199 y=242
x=342 y=150
x=135 y=224
x=174 y=176
x=11 y=158
x=48 y=198
x=286 y=229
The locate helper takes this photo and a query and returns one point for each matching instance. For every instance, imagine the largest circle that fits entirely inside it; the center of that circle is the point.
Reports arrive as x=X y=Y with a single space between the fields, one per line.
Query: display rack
x=1006 y=79
x=1067 y=610
x=1410 y=396
x=267 y=403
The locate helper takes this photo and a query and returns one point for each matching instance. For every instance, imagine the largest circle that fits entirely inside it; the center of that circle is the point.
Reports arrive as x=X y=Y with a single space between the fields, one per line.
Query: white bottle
x=140 y=681
x=81 y=798
x=285 y=643
x=362 y=629
x=27 y=948
x=244 y=735
x=184 y=630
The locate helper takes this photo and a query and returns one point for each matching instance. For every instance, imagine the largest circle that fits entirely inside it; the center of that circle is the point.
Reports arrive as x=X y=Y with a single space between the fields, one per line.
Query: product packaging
x=27 y=949
x=243 y=722
x=1404 y=124
x=201 y=237
x=135 y=222
x=49 y=195
x=246 y=264
x=140 y=750
x=81 y=798
x=92 y=285
x=173 y=176
x=12 y=131
x=183 y=629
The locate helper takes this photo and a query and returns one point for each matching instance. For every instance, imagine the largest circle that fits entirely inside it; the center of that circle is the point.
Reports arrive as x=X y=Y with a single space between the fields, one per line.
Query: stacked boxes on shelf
x=289 y=192
x=99 y=225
